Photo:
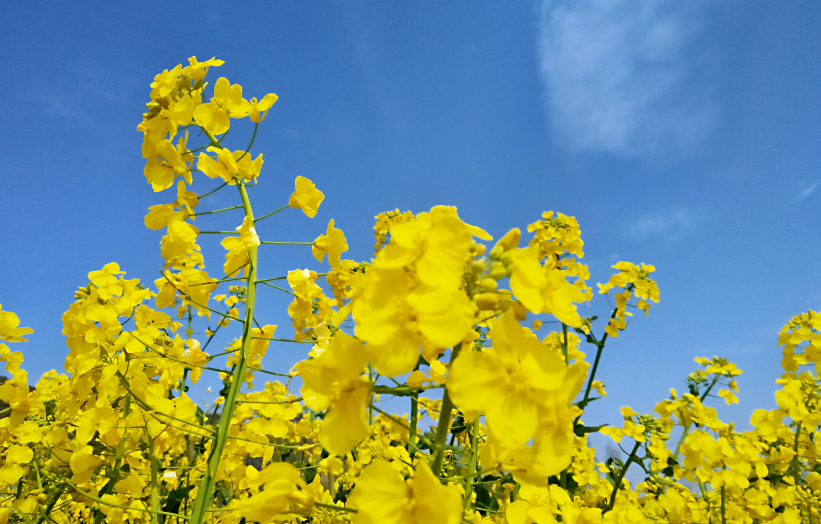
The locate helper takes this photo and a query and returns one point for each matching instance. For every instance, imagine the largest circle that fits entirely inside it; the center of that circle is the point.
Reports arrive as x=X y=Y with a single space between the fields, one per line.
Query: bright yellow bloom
x=168 y=162
x=544 y=289
x=332 y=381
x=262 y=107
x=285 y=495
x=8 y=327
x=227 y=102
x=509 y=383
x=436 y=243
x=332 y=242
x=237 y=256
x=306 y=196
x=382 y=496
x=197 y=70
x=394 y=318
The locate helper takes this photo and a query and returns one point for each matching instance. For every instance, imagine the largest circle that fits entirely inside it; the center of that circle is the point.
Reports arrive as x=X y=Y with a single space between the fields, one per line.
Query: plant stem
x=474 y=446
x=272 y=213
x=414 y=416
x=442 y=428
x=205 y=496
x=620 y=478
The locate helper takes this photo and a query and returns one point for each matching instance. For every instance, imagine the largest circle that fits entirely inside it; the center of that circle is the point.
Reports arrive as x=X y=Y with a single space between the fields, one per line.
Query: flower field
x=440 y=318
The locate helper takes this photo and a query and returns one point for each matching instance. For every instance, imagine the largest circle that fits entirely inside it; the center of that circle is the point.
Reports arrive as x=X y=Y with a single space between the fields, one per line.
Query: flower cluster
x=419 y=396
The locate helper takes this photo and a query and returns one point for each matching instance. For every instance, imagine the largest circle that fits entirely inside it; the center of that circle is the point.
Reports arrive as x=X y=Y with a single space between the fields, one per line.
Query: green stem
x=200 y=197
x=214 y=211
x=272 y=213
x=155 y=474
x=620 y=478
x=288 y=243
x=114 y=475
x=253 y=137
x=279 y=288
x=442 y=428
x=795 y=460
x=599 y=349
x=414 y=419
x=370 y=405
x=723 y=504
x=474 y=446
x=564 y=343
x=687 y=425
x=205 y=496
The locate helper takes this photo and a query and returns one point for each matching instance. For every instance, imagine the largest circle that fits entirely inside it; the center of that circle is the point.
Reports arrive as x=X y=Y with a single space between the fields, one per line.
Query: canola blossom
x=487 y=422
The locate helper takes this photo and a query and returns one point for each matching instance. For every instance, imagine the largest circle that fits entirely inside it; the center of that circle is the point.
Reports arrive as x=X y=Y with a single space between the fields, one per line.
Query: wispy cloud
x=669 y=224
x=615 y=77
x=807 y=191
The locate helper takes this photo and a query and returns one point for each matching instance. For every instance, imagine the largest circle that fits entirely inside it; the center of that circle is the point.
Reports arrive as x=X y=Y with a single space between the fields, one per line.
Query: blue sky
x=686 y=136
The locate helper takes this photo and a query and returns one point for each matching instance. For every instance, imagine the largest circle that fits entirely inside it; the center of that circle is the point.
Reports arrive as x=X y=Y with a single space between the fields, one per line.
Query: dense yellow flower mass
x=423 y=398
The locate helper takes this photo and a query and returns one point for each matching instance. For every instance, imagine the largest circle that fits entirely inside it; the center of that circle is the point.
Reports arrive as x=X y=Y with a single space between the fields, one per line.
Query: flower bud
x=497 y=270
x=496 y=252
x=505 y=299
x=487 y=284
x=519 y=311
x=510 y=240
x=487 y=301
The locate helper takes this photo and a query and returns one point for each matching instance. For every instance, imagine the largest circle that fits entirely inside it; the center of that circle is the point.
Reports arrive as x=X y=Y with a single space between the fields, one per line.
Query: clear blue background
x=682 y=136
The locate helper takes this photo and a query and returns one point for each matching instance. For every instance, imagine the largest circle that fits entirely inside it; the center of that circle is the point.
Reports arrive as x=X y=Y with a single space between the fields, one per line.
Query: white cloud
x=670 y=224
x=615 y=77
x=808 y=191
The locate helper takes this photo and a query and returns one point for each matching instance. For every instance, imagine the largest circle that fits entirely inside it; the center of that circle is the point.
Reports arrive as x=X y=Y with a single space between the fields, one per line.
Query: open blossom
x=509 y=384
x=8 y=327
x=332 y=242
x=544 y=289
x=382 y=496
x=236 y=258
x=395 y=318
x=226 y=102
x=333 y=381
x=306 y=196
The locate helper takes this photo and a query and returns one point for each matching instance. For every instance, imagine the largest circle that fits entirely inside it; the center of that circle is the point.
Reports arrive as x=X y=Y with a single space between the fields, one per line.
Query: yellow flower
x=8 y=327
x=306 y=196
x=436 y=243
x=227 y=102
x=508 y=384
x=262 y=106
x=285 y=494
x=168 y=162
x=544 y=289
x=332 y=242
x=382 y=496
x=394 y=318
x=332 y=381
x=237 y=256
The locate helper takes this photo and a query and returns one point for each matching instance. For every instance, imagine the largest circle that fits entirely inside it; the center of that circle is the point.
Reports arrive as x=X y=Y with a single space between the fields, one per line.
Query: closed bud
x=497 y=270
x=477 y=266
x=505 y=299
x=487 y=301
x=510 y=240
x=496 y=252
x=519 y=310
x=487 y=284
